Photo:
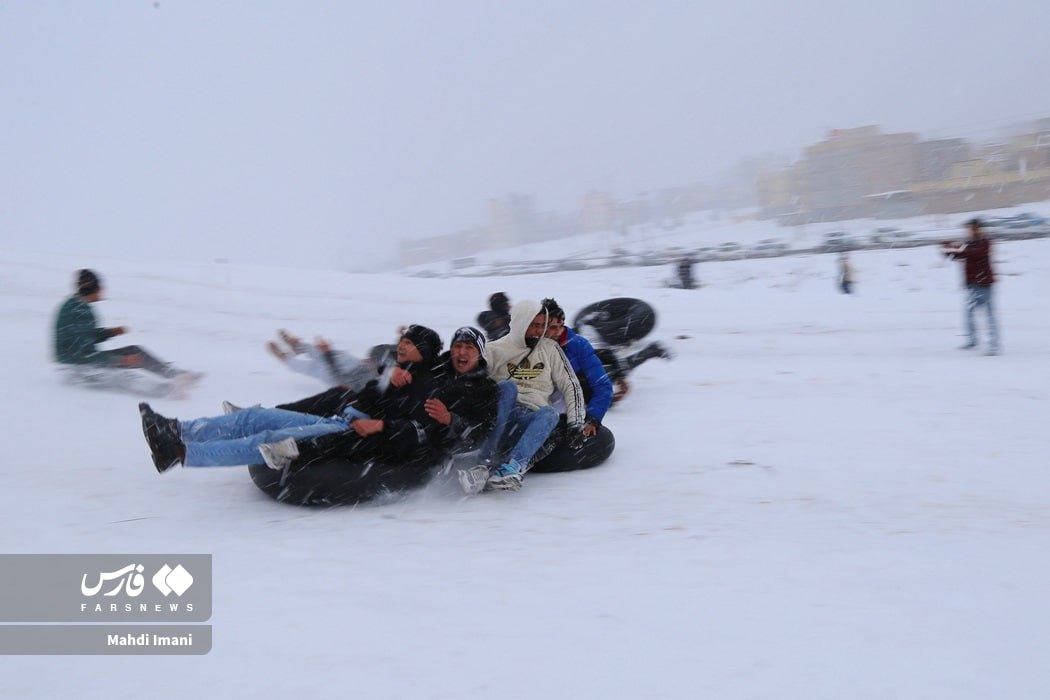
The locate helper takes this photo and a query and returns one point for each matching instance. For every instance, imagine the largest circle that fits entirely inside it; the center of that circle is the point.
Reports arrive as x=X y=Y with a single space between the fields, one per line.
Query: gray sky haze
x=318 y=133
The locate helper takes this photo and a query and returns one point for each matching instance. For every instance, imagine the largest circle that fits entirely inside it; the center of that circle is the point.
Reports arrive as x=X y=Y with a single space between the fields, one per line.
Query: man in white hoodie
x=529 y=368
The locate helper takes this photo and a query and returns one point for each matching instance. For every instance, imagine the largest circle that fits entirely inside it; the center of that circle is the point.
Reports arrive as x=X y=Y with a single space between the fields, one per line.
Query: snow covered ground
x=820 y=497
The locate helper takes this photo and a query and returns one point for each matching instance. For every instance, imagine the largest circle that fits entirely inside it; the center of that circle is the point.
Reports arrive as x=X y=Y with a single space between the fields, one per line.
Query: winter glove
x=576 y=440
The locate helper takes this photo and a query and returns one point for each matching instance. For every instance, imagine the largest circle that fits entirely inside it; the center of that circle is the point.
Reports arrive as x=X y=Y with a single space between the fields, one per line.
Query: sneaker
x=472 y=481
x=278 y=455
x=507 y=477
x=228 y=408
x=163 y=437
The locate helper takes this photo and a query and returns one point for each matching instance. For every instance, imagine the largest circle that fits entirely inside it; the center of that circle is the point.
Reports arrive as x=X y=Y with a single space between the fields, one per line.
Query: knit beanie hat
x=469 y=334
x=88 y=282
x=427 y=341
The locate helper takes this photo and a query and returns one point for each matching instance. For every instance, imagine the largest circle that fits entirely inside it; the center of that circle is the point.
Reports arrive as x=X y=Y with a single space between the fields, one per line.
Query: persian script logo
x=130 y=580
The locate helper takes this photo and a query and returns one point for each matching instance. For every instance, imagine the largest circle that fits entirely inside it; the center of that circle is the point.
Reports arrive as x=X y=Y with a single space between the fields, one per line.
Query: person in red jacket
x=979 y=278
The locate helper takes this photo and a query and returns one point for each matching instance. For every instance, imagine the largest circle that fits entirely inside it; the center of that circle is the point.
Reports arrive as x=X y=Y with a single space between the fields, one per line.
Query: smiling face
x=407 y=351
x=555 y=328
x=465 y=356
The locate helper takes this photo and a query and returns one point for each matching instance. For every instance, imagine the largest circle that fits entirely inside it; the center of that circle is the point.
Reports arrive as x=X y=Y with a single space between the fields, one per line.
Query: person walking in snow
x=845 y=274
x=979 y=279
x=684 y=268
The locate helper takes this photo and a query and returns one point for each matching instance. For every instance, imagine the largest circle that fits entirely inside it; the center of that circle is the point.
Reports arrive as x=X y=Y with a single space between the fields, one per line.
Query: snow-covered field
x=820 y=497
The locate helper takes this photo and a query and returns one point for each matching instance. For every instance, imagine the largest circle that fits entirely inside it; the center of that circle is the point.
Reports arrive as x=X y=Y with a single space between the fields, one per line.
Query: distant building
x=862 y=172
x=853 y=163
x=936 y=157
x=597 y=212
x=511 y=221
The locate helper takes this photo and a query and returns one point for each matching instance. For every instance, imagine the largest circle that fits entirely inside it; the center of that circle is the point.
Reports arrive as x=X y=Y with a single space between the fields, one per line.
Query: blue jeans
x=981 y=295
x=527 y=428
x=226 y=441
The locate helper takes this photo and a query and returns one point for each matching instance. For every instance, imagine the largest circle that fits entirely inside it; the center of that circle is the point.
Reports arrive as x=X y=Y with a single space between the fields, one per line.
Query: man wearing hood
x=529 y=367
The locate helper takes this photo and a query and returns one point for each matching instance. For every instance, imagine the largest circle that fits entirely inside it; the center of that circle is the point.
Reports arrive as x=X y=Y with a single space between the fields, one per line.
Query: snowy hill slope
x=819 y=497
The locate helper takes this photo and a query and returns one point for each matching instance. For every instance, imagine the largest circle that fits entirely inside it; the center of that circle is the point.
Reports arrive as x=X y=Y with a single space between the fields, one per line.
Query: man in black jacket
x=422 y=414
x=388 y=418
x=466 y=397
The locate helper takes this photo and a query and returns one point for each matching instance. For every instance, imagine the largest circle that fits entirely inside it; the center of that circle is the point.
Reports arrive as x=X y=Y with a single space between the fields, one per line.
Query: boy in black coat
x=425 y=411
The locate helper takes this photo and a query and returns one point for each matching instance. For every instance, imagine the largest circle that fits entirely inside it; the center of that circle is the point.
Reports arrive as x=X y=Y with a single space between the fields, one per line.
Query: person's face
x=975 y=231
x=407 y=351
x=555 y=327
x=537 y=327
x=465 y=356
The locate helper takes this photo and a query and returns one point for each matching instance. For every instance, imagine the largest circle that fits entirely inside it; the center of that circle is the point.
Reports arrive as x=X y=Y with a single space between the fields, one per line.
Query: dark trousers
x=149 y=362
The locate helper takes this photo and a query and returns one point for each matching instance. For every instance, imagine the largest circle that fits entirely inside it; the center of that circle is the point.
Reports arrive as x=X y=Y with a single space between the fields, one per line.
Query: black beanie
x=471 y=335
x=427 y=341
x=88 y=282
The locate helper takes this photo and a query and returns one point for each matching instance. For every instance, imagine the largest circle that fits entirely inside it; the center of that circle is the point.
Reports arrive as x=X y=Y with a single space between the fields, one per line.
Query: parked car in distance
x=729 y=251
x=768 y=247
x=836 y=241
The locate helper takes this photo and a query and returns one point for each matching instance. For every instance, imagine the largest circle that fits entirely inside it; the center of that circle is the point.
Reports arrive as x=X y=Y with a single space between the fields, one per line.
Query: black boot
x=163 y=437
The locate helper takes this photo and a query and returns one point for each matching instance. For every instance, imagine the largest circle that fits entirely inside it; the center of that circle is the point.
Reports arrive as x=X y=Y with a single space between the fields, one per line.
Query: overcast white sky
x=320 y=132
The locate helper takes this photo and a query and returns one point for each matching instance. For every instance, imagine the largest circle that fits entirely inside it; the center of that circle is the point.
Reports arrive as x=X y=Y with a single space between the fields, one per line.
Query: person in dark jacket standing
x=976 y=255
x=77 y=335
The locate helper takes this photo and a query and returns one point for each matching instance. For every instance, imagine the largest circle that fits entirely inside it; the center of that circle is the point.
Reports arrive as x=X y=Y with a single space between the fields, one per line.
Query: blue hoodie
x=584 y=361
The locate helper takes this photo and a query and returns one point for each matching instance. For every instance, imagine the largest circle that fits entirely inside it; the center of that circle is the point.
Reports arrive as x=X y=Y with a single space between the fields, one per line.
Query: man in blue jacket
x=596 y=385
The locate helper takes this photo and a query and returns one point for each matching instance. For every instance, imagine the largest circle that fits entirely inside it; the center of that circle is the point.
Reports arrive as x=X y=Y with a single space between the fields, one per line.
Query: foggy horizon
x=321 y=135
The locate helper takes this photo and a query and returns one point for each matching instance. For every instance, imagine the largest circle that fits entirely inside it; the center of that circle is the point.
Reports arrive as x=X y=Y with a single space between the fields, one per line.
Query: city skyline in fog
x=321 y=134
